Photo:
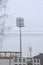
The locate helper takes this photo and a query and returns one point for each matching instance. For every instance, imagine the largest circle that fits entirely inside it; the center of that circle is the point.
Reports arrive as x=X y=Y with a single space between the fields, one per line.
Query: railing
x=20 y=60
x=9 y=54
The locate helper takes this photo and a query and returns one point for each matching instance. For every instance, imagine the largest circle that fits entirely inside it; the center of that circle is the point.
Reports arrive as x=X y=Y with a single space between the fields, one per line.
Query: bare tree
x=3 y=5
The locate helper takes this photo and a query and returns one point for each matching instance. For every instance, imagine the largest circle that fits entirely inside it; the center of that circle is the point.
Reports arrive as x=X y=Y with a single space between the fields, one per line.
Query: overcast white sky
x=32 y=12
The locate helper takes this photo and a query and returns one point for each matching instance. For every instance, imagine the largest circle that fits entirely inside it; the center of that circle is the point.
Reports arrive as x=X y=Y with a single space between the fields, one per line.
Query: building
x=13 y=58
x=40 y=56
x=33 y=61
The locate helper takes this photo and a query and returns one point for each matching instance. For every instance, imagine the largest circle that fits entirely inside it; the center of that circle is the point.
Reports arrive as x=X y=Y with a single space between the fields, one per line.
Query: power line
x=22 y=34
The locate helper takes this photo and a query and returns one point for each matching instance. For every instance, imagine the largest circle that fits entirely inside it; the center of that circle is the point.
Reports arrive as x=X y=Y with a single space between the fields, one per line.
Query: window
x=37 y=60
x=15 y=59
x=15 y=64
x=34 y=64
x=24 y=60
x=34 y=60
x=37 y=64
x=24 y=64
x=20 y=64
x=20 y=60
x=30 y=64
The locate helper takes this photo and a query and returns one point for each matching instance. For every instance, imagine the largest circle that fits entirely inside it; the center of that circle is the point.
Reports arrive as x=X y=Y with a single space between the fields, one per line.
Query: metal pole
x=20 y=44
x=9 y=61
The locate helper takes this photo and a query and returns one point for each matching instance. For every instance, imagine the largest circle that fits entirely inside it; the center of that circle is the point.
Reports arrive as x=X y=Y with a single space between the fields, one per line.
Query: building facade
x=13 y=58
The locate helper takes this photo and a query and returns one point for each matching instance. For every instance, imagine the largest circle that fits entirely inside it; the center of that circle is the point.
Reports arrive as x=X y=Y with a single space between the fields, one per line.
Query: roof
x=38 y=56
x=9 y=52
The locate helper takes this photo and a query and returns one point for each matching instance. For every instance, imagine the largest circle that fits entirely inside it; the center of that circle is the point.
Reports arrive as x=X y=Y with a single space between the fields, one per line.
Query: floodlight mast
x=30 y=50
x=20 y=24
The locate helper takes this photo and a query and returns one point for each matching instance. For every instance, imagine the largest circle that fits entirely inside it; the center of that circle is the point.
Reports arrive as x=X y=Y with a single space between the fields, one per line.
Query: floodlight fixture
x=20 y=22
